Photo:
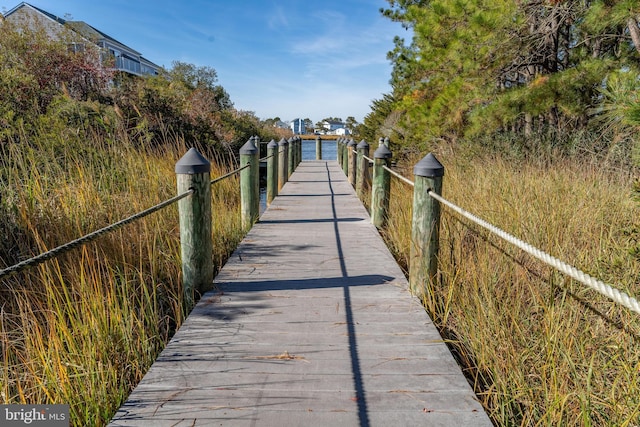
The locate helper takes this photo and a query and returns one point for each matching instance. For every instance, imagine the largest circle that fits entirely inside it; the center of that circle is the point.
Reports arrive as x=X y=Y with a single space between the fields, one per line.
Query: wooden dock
x=311 y=324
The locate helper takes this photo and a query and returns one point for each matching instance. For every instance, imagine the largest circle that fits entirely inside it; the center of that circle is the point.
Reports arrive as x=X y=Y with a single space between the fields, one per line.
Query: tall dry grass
x=539 y=348
x=83 y=329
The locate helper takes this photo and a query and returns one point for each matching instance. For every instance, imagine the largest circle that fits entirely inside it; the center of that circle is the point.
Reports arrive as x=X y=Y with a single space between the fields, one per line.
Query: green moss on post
x=249 y=184
x=339 y=143
x=363 y=179
x=272 y=171
x=193 y=172
x=381 y=187
x=425 y=229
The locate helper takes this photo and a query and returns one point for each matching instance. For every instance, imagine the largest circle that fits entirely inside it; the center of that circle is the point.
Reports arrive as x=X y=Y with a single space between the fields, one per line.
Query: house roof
x=91 y=33
x=44 y=12
x=83 y=29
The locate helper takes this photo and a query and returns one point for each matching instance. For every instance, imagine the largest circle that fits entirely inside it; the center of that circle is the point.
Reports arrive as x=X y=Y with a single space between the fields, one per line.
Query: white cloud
x=277 y=19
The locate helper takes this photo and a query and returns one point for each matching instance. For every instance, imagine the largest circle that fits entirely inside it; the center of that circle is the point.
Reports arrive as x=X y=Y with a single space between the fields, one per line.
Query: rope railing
x=599 y=286
x=230 y=174
x=55 y=252
x=64 y=248
x=399 y=176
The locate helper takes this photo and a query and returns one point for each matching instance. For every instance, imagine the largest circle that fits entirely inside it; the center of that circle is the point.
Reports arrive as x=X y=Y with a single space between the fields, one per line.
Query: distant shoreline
x=311 y=136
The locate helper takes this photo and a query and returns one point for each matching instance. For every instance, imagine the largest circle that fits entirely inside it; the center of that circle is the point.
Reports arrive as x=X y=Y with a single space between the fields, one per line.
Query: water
x=329 y=151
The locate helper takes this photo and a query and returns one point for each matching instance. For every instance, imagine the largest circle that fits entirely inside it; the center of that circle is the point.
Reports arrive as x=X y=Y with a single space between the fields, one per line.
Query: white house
x=127 y=59
x=331 y=126
x=342 y=132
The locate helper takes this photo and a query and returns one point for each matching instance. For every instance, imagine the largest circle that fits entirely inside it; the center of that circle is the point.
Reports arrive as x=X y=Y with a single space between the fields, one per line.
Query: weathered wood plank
x=311 y=324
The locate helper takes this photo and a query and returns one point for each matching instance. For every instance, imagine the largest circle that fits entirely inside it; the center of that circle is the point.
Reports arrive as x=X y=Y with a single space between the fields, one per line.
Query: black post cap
x=363 y=144
x=382 y=152
x=429 y=167
x=249 y=147
x=193 y=163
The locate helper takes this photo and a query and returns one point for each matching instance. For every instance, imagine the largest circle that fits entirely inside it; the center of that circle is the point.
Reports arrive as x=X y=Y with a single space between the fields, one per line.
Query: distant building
x=330 y=127
x=126 y=59
x=280 y=125
x=298 y=127
x=342 y=132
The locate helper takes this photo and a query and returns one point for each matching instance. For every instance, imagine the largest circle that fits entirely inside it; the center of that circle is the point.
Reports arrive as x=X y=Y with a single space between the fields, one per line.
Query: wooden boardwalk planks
x=312 y=324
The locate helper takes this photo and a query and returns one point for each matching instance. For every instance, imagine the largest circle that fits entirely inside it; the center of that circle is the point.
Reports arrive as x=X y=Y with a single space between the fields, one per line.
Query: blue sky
x=285 y=58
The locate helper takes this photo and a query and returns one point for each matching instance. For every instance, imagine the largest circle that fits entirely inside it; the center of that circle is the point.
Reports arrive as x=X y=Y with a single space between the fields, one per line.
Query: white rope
x=607 y=290
x=397 y=175
x=597 y=285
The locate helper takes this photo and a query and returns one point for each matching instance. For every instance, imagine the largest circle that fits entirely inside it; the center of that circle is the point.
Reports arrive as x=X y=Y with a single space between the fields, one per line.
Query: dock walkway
x=311 y=324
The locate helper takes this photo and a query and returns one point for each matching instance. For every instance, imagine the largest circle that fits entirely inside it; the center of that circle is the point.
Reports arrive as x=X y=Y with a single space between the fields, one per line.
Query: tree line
x=481 y=69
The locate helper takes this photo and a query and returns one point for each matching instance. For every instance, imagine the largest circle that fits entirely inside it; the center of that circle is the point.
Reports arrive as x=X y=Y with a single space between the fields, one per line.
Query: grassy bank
x=539 y=348
x=82 y=329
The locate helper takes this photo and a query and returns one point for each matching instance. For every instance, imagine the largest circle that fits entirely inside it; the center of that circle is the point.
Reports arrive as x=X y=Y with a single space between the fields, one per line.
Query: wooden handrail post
x=291 y=159
x=339 y=150
x=272 y=171
x=298 y=150
x=343 y=150
x=283 y=161
x=363 y=178
x=345 y=158
x=255 y=174
x=294 y=149
x=249 y=184
x=381 y=188
x=425 y=228
x=196 y=245
x=318 y=148
x=352 y=162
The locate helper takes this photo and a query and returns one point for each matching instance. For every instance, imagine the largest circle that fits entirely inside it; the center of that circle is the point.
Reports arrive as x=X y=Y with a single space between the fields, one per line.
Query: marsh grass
x=539 y=348
x=83 y=328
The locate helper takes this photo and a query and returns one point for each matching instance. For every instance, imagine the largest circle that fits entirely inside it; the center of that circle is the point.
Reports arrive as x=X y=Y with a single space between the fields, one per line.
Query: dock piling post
x=283 y=161
x=272 y=171
x=363 y=178
x=249 y=184
x=381 y=188
x=291 y=158
x=196 y=246
x=318 y=148
x=345 y=157
x=425 y=228
x=352 y=162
